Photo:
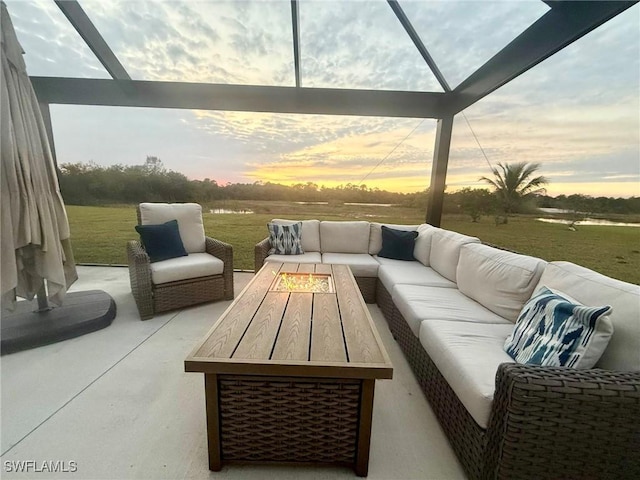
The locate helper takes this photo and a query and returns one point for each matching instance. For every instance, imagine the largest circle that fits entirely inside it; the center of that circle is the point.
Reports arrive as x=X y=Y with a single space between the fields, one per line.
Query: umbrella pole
x=43 y=302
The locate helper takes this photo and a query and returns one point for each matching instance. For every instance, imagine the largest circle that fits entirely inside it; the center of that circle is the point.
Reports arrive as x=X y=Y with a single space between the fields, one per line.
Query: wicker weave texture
x=288 y=419
x=140 y=278
x=367 y=286
x=466 y=437
x=173 y=295
x=585 y=423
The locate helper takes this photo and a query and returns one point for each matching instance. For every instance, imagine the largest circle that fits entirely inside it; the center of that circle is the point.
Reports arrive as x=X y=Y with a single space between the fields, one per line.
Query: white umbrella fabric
x=34 y=230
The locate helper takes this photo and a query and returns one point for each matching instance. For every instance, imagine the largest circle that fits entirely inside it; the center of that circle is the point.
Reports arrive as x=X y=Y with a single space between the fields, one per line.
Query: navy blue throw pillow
x=397 y=244
x=162 y=241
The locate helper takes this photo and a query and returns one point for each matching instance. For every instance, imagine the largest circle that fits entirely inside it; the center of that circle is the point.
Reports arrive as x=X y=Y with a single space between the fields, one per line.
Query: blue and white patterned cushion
x=285 y=239
x=555 y=330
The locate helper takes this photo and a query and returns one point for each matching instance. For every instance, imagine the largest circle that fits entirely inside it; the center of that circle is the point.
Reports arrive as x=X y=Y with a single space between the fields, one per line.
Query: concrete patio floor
x=118 y=404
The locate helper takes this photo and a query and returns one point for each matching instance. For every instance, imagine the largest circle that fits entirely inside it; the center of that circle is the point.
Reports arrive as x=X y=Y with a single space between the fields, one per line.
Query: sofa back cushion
x=501 y=281
x=310 y=236
x=445 y=252
x=344 y=237
x=422 y=247
x=594 y=289
x=189 y=216
x=375 y=235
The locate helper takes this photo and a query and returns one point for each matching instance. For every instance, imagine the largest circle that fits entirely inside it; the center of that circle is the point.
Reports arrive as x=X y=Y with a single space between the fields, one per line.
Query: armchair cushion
x=189 y=216
x=193 y=265
x=556 y=331
x=162 y=241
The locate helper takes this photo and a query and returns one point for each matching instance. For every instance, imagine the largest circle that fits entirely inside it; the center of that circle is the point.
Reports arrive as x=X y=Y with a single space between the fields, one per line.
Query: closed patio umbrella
x=35 y=230
x=35 y=254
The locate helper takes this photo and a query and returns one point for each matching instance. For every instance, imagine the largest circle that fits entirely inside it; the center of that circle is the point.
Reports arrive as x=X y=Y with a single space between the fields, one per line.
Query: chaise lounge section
x=452 y=308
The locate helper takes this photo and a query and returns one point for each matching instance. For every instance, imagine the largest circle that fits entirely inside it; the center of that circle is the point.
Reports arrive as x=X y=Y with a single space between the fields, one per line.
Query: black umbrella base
x=81 y=313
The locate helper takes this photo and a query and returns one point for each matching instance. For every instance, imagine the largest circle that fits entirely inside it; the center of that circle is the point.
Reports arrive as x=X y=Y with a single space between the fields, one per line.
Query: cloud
x=359 y=45
x=52 y=45
x=461 y=36
x=576 y=113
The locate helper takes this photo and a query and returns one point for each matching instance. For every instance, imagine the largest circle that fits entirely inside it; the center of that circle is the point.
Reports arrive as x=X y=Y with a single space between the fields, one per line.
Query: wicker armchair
x=152 y=298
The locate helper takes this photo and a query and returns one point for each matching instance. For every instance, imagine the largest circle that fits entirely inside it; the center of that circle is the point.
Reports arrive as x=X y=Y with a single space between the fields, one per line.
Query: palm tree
x=514 y=183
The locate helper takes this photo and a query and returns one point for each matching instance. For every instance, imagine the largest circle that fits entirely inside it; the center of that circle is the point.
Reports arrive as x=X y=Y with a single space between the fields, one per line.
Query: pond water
x=358 y=204
x=312 y=203
x=589 y=221
x=226 y=210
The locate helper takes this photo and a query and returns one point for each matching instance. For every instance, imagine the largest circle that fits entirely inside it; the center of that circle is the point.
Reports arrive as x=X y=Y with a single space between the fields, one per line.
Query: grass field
x=99 y=234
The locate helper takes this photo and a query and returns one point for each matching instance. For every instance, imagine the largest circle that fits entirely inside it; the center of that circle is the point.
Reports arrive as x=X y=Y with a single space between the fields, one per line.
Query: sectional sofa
x=451 y=310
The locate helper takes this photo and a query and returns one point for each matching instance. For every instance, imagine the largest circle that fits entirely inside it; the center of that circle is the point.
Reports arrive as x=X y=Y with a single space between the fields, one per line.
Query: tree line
x=92 y=184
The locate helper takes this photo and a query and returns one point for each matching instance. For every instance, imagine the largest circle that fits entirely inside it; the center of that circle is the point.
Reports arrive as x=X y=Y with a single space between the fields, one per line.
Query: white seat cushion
x=501 y=281
x=417 y=303
x=193 y=265
x=594 y=289
x=307 y=257
x=310 y=236
x=361 y=264
x=468 y=355
x=189 y=216
x=445 y=251
x=375 y=235
x=411 y=273
x=344 y=237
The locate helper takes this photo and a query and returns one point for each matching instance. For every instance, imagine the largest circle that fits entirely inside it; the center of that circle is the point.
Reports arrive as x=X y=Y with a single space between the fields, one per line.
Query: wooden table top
x=265 y=332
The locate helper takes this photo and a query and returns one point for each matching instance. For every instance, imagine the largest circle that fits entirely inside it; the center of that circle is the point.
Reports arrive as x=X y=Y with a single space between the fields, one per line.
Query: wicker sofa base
x=467 y=439
x=184 y=293
x=288 y=419
x=367 y=286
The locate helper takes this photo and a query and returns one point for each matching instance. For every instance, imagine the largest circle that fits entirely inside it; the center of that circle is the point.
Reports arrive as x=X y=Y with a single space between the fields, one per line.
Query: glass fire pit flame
x=303 y=283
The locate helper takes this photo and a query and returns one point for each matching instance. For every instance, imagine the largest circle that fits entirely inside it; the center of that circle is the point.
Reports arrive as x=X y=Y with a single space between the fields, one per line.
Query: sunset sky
x=577 y=113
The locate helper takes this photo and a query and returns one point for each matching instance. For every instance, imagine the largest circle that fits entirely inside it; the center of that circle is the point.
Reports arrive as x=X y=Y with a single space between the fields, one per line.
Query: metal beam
x=439 y=170
x=247 y=98
x=565 y=23
x=295 y=24
x=89 y=33
x=417 y=41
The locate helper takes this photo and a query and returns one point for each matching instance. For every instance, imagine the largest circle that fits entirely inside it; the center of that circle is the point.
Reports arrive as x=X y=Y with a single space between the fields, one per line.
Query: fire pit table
x=290 y=370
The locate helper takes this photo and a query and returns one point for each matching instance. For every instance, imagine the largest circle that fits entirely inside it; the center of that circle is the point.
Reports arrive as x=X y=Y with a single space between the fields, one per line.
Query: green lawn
x=99 y=234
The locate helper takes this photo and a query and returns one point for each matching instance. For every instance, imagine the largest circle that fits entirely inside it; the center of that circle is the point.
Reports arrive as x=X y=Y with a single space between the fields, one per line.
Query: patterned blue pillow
x=555 y=330
x=285 y=239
